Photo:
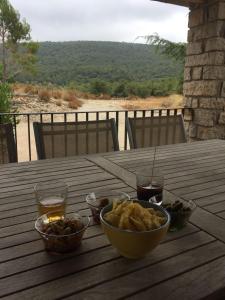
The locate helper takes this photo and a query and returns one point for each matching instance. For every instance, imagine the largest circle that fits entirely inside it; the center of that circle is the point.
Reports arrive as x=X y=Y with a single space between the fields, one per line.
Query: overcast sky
x=106 y=20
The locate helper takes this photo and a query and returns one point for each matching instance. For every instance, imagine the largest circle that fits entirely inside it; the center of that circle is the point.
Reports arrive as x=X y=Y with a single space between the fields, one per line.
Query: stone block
x=202 y=88
x=215 y=44
x=195 y=103
x=216 y=11
x=206 y=133
x=214 y=72
x=222 y=118
x=187 y=74
x=194 y=48
x=223 y=90
x=212 y=103
x=209 y=30
x=212 y=12
x=205 y=117
x=187 y=102
x=209 y=58
x=221 y=11
x=190 y=102
x=196 y=17
x=196 y=73
x=188 y=115
x=192 y=131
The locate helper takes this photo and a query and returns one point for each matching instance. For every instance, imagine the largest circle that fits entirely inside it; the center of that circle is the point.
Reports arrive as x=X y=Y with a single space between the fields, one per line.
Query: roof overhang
x=187 y=3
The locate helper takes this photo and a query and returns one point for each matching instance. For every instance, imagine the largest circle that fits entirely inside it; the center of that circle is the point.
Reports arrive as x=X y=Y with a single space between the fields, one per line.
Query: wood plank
x=149 y=276
x=41 y=165
x=215 y=198
x=18 y=219
x=216 y=208
x=207 y=281
x=38 y=176
x=171 y=160
x=128 y=177
x=107 y=271
x=30 y=208
x=189 y=165
x=199 y=145
x=204 y=193
x=19 y=245
x=190 y=181
x=68 y=180
x=42 y=258
x=208 y=222
x=74 y=190
x=198 y=187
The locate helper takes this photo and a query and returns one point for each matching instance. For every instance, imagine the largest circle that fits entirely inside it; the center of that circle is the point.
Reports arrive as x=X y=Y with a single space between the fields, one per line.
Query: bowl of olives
x=180 y=212
x=63 y=234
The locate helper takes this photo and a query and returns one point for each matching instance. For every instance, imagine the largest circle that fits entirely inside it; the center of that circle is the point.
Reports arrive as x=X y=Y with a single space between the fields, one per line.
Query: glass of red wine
x=150 y=183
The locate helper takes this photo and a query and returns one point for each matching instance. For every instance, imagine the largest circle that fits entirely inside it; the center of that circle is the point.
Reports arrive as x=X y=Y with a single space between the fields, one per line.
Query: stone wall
x=204 y=75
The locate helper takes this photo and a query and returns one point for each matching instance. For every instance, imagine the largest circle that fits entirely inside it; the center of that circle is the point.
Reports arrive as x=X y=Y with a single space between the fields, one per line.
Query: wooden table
x=189 y=264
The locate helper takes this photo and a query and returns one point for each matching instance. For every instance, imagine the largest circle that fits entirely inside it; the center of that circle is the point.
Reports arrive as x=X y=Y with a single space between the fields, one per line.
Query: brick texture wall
x=204 y=75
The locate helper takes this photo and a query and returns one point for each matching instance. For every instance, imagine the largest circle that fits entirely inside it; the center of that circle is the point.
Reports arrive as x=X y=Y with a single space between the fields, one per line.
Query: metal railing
x=23 y=124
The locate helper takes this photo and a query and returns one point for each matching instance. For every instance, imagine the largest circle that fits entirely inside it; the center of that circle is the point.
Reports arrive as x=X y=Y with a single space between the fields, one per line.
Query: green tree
x=120 y=90
x=99 y=87
x=176 y=51
x=17 y=49
x=5 y=105
x=173 y=50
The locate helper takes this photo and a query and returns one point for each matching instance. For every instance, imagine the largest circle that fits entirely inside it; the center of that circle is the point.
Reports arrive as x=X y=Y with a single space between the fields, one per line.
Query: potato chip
x=132 y=216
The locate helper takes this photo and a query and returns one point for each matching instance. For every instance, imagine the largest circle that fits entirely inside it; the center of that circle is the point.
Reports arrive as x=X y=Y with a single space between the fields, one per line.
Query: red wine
x=146 y=192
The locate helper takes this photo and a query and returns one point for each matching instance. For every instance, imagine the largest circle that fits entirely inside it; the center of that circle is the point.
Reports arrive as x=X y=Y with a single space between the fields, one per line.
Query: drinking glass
x=150 y=183
x=51 y=198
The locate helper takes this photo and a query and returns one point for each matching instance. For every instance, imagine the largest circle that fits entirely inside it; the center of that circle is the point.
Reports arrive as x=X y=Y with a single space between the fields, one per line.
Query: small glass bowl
x=61 y=243
x=99 y=199
x=180 y=212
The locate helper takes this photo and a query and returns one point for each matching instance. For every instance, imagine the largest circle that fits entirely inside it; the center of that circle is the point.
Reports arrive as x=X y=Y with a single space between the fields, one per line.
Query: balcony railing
x=23 y=124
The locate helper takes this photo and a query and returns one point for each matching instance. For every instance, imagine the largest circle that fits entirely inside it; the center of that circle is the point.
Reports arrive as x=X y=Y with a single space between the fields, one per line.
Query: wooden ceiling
x=186 y=3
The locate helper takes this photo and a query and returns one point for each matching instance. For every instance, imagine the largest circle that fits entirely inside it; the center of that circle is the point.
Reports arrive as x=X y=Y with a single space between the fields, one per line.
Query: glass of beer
x=150 y=183
x=51 y=198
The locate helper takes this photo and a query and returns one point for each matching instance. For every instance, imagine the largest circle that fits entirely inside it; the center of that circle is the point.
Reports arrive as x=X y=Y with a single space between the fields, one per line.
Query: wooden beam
x=186 y=3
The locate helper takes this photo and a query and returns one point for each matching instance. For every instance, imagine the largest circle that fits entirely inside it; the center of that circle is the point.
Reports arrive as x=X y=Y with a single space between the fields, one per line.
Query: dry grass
x=58 y=102
x=28 y=89
x=104 y=97
x=69 y=96
x=44 y=95
x=172 y=101
x=74 y=104
x=57 y=94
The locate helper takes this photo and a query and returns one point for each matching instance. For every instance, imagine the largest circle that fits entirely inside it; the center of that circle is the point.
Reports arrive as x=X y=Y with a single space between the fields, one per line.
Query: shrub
x=99 y=87
x=28 y=89
x=120 y=91
x=44 y=95
x=74 y=104
x=57 y=94
x=5 y=105
x=69 y=96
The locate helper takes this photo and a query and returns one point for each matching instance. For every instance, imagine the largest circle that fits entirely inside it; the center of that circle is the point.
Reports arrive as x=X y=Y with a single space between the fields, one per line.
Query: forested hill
x=84 y=61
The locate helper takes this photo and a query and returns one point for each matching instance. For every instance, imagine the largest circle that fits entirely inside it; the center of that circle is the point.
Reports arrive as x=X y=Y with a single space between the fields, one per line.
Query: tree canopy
x=17 y=49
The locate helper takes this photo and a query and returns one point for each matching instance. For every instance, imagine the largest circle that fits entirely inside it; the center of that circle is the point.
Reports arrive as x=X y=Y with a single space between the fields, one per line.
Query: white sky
x=105 y=20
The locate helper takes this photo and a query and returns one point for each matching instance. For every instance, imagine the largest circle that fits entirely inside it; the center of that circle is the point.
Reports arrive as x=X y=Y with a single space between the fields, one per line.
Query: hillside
x=83 y=61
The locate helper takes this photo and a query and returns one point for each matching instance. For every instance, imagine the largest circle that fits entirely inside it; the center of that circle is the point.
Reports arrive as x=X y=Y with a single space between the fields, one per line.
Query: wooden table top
x=189 y=264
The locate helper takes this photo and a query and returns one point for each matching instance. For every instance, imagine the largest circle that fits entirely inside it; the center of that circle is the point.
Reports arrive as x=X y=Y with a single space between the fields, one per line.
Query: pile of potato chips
x=132 y=216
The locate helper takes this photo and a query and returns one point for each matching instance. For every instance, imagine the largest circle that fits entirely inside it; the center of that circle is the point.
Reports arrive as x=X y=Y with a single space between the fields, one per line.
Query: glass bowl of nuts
x=99 y=199
x=64 y=234
x=180 y=212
